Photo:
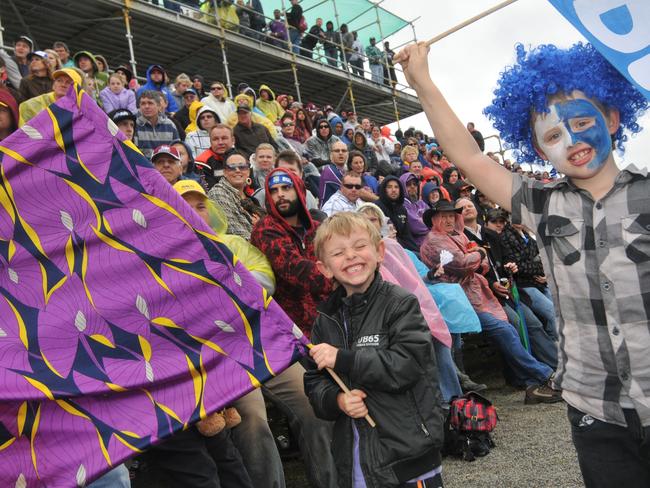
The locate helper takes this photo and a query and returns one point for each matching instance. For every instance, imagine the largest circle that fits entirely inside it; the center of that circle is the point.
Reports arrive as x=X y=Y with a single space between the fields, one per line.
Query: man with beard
x=286 y=236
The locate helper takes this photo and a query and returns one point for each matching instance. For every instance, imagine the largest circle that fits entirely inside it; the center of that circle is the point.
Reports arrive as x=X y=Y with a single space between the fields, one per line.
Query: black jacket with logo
x=386 y=350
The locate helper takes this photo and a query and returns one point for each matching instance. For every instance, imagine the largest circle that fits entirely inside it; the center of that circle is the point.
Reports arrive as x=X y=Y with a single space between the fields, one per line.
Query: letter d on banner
x=619 y=29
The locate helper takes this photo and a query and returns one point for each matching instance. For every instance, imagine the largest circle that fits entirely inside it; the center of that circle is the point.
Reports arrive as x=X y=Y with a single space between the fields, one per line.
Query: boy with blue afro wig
x=572 y=107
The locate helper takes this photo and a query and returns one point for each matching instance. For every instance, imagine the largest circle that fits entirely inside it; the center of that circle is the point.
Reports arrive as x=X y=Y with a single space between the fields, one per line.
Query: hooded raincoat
x=300 y=285
x=150 y=85
x=7 y=100
x=415 y=210
x=199 y=139
x=466 y=268
x=318 y=148
x=271 y=108
x=396 y=212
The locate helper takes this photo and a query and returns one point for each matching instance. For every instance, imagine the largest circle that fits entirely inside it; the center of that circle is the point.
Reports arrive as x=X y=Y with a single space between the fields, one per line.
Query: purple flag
x=123 y=318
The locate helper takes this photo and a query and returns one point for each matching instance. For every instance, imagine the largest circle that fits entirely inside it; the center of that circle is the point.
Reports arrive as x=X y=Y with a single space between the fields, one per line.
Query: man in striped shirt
x=152 y=127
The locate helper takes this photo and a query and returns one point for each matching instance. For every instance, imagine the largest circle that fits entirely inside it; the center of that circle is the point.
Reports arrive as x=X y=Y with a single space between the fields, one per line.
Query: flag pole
x=297 y=333
x=469 y=21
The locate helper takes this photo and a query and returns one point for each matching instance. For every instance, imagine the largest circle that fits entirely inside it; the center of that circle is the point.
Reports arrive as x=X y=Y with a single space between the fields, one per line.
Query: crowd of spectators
x=264 y=170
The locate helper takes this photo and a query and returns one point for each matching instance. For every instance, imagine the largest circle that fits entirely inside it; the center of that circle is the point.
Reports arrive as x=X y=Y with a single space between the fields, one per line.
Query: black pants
x=190 y=460
x=611 y=455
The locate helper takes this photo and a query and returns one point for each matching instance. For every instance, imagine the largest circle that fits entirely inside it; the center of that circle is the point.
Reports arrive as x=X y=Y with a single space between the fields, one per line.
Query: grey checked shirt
x=597 y=258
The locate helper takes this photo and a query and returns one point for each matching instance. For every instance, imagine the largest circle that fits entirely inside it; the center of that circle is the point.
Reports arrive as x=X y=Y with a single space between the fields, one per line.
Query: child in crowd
x=372 y=333
x=570 y=107
x=115 y=96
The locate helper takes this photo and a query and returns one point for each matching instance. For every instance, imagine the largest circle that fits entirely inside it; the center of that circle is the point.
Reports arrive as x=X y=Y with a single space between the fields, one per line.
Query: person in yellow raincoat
x=252 y=258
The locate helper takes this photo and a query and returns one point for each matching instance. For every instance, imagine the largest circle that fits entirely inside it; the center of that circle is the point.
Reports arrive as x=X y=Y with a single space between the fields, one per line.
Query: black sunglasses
x=323 y=126
x=237 y=167
x=350 y=186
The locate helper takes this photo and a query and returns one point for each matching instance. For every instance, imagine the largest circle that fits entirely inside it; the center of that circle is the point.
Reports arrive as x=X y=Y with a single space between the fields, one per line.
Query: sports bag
x=471 y=419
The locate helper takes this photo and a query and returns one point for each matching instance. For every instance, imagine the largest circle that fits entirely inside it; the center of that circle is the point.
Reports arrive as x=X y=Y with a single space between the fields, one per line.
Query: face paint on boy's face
x=574 y=133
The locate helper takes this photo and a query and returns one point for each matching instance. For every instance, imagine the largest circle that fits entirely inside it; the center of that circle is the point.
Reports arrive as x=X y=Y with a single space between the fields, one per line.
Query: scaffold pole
x=222 y=44
x=294 y=68
x=129 y=38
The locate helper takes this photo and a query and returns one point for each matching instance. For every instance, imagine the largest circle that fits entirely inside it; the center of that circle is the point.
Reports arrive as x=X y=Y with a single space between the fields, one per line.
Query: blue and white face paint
x=574 y=133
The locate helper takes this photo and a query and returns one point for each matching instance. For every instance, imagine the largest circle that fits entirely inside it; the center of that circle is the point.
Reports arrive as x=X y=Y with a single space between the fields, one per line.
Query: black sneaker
x=543 y=393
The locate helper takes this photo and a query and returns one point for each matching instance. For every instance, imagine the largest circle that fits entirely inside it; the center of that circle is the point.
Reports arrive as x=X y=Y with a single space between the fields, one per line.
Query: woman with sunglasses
x=229 y=192
x=357 y=164
x=219 y=101
x=319 y=146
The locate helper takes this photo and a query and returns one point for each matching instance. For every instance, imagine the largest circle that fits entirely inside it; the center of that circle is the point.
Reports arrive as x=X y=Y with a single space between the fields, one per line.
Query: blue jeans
x=542 y=305
x=543 y=347
x=116 y=478
x=377 y=73
x=447 y=377
x=505 y=337
x=295 y=35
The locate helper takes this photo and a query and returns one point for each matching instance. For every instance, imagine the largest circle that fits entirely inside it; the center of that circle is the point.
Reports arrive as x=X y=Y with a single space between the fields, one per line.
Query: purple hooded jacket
x=414 y=210
x=124 y=99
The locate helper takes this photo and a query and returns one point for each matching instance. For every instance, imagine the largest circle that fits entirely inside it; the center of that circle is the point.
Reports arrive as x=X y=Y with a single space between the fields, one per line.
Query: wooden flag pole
x=345 y=389
x=469 y=21
x=299 y=335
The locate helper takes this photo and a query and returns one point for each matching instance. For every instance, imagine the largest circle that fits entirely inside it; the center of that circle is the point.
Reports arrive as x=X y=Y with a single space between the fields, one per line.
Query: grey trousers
x=255 y=441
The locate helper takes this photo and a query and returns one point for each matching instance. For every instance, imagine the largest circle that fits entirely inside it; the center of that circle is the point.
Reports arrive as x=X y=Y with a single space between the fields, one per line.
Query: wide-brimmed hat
x=440 y=206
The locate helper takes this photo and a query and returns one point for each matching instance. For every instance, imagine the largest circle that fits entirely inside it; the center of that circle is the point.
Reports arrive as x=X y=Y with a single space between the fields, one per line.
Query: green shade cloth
x=359 y=15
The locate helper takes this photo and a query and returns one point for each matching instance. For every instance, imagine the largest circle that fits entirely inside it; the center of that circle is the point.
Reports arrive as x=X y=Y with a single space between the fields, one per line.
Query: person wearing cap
x=219 y=101
x=22 y=47
x=8 y=114
x=230 y=190
x=375 y=57
x=125 y=121
x=198 y=83
x=116 y=96
x=63 y=79
x=167 y=161
x=156 y=76
x=249 y=134
x=465 y=190
x=415 y=207
x=153 y=127
x=206 y=118
x=39 y=79
x=543 y=347
x=467 y=266
x=63 y=51
x=182 y=116
x=87 y=63
x=127 y=77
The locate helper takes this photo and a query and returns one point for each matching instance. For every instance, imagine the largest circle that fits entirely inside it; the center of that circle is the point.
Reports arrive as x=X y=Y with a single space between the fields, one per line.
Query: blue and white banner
x=619 y=29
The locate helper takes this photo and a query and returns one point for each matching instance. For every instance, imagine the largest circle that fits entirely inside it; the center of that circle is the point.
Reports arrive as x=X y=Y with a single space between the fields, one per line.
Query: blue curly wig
x=548 y=70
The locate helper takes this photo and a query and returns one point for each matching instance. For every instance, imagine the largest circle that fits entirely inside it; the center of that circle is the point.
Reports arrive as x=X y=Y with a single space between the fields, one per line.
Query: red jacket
x=300 y=286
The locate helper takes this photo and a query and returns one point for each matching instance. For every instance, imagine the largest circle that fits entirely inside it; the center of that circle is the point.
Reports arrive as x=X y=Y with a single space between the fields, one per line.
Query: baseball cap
x=121 y=114
x=243 y=108
x=190 y=90
x=165 y=149
x=27 y=40
x=189 y=186
x=33 y=54
x=280 y=178
x=71 y=72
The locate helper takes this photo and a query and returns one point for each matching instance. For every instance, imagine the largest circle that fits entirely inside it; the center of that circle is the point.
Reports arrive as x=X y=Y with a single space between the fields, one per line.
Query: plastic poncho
x=252 y=258
x=33 y=106
x=257 y=118
x=466 y=268
x=398 y=268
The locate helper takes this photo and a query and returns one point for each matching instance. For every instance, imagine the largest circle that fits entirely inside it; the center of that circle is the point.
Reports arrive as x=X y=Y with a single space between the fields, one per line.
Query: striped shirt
x=597 y=256
x=148 y=137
